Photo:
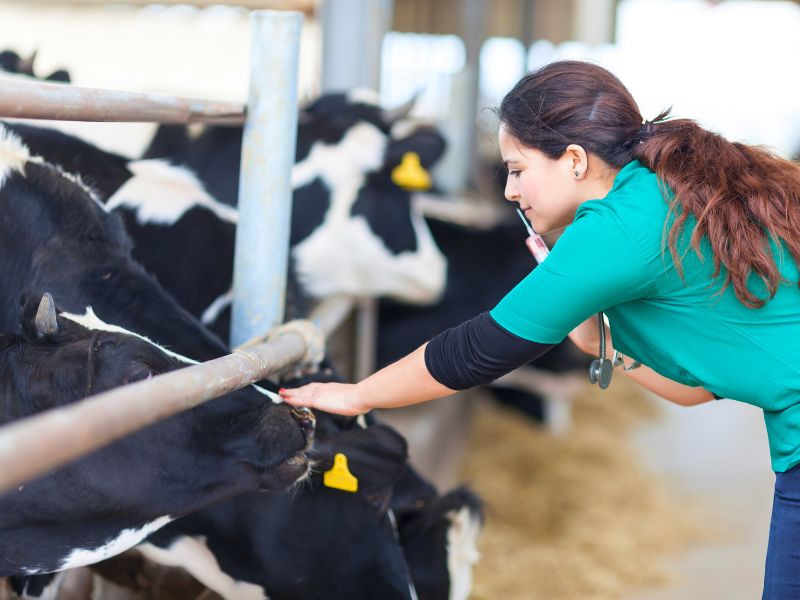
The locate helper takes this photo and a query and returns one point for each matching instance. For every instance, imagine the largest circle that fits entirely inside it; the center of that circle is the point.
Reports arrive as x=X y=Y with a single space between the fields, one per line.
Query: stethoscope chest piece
x=600 y=372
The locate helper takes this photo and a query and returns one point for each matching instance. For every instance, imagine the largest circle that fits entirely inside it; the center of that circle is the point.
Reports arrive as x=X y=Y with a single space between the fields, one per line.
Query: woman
x=688 y=243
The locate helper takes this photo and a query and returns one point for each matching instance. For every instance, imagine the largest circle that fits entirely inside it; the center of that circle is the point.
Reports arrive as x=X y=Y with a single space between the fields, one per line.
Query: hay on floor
x=576 y=516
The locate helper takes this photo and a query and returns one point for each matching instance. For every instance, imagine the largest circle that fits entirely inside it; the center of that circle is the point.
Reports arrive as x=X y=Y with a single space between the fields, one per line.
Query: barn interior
x=589 y=494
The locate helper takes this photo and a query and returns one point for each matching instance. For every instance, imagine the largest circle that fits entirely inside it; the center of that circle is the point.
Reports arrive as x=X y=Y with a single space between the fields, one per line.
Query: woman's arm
x=402 y=383
x=474 y=353
x=586 y=337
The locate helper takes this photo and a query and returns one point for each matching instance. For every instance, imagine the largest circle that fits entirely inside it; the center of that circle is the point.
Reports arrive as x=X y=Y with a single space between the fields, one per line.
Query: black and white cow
x=105 y=503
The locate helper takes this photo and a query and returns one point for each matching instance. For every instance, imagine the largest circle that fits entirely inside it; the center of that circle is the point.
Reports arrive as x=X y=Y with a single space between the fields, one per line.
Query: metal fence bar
x=265 y=193
x=33 y=446
x=21 y=98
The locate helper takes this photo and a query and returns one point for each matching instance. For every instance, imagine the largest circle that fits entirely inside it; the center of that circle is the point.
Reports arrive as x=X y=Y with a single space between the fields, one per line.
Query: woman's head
x=566 y=129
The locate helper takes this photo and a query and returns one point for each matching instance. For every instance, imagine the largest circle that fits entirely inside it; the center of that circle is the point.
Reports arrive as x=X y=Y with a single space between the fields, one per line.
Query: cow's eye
x=140 y=375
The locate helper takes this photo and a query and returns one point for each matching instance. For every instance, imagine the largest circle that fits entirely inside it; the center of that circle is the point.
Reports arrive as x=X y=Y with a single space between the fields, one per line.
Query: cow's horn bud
x=393 y=115
x=26 y=65
x=46 y=322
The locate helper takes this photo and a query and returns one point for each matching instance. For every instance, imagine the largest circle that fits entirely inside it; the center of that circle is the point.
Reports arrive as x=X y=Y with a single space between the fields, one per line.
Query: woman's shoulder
x=636 y=203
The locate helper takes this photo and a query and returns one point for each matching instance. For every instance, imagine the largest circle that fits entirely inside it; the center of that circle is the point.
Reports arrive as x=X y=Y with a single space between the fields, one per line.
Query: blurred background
x=603 y=494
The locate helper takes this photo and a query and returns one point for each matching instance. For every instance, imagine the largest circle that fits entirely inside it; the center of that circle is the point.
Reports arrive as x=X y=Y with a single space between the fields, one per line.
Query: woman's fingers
x=302 y=396
x=331 y=397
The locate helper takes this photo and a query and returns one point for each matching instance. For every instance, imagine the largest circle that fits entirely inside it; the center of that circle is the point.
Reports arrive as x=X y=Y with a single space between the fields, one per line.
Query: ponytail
x=741 y=197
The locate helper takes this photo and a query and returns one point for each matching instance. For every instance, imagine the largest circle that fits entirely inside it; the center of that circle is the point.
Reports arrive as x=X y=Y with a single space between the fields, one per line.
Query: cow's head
x=355 y=230
x=111 y=499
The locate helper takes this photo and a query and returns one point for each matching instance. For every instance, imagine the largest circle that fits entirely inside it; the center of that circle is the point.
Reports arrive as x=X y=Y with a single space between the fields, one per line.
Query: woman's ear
x=576 y=161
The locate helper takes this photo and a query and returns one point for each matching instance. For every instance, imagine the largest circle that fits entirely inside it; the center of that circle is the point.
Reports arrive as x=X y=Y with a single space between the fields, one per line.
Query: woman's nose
x=511 y=191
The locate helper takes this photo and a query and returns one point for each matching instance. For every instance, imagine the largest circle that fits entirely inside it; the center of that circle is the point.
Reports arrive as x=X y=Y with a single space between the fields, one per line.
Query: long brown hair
x=741 y=196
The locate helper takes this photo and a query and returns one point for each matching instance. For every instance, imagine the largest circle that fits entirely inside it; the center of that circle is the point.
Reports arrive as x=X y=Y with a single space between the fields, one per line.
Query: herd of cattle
x=116 y=269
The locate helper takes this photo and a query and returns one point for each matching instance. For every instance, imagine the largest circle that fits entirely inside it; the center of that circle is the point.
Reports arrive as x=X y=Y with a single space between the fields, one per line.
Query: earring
x=577 y=173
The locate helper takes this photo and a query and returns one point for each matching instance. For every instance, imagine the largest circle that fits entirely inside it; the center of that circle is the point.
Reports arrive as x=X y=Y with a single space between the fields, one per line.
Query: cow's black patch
x=387 y=211
x=310 y=204
x=104 y=172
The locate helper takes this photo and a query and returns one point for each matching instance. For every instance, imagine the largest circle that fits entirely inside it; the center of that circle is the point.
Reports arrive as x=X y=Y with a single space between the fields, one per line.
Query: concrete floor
x=715 y=456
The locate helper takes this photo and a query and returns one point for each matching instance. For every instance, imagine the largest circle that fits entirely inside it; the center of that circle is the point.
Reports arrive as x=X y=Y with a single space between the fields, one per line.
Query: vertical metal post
x=265 y=193
x=352 y=38
x=366 y=338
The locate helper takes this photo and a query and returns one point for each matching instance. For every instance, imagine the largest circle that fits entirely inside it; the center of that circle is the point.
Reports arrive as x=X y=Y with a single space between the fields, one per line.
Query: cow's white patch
x=13 y=153
x=345 y=257
x=344 y=164
x=161 y=193
x=192 y=554
x=462 y=551
x=126 y=539
x=211 y=314
x=89 y=320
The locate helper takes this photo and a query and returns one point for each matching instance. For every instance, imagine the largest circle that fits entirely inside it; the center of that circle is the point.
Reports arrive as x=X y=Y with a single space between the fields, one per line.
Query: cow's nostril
x=305 y=417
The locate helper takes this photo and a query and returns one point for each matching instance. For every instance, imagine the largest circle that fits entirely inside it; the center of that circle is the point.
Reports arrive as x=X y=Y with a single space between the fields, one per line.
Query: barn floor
x=642 y=500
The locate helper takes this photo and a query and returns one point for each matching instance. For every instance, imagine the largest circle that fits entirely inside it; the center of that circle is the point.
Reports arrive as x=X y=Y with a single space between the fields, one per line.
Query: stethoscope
x=601 y=368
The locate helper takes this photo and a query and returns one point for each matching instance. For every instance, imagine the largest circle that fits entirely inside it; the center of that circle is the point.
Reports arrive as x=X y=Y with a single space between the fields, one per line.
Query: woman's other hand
x=337 y=398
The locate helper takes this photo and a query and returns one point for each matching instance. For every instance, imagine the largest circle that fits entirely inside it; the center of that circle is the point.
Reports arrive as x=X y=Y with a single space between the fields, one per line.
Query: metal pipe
x=35 y=445
x=265 y=193
x=366 y=335
x=41 y=100
x=352 y=38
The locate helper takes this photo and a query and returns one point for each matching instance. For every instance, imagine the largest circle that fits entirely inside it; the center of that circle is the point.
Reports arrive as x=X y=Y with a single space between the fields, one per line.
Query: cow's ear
x=392 y=115
x=425 y=141
x=376 y=457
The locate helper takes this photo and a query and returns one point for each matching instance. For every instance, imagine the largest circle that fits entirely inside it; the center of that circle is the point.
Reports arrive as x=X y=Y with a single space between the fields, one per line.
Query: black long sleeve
x=477 y=352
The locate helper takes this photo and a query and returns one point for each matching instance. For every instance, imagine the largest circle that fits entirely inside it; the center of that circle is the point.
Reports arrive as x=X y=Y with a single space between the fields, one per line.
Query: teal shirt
x=611 y=258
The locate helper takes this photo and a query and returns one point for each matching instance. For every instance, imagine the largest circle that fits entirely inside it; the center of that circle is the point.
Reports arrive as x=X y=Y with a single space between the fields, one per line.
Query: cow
x=112 y=499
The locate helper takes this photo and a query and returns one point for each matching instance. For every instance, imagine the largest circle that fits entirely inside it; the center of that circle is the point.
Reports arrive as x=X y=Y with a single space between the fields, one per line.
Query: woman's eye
x=514 y=174
x=140 y=375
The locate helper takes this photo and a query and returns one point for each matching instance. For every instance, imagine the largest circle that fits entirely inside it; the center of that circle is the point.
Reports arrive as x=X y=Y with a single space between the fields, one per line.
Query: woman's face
x=545 y=189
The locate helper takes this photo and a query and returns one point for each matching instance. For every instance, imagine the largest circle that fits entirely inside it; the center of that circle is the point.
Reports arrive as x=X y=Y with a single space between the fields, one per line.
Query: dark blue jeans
x=782 y=573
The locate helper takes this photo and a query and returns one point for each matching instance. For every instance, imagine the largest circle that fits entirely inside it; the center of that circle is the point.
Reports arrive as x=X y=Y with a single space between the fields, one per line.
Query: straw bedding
x=575 y=516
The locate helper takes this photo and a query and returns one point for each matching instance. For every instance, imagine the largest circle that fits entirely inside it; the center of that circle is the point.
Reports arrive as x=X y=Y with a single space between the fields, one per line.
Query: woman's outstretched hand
x=337 y=398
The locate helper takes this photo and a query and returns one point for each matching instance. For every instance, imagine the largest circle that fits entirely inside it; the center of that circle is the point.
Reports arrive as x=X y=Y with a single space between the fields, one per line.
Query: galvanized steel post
x=265 y=192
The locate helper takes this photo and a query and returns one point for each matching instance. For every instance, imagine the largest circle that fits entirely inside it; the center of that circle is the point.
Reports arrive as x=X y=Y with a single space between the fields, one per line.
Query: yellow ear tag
x=340 y=477
x=410 y=174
